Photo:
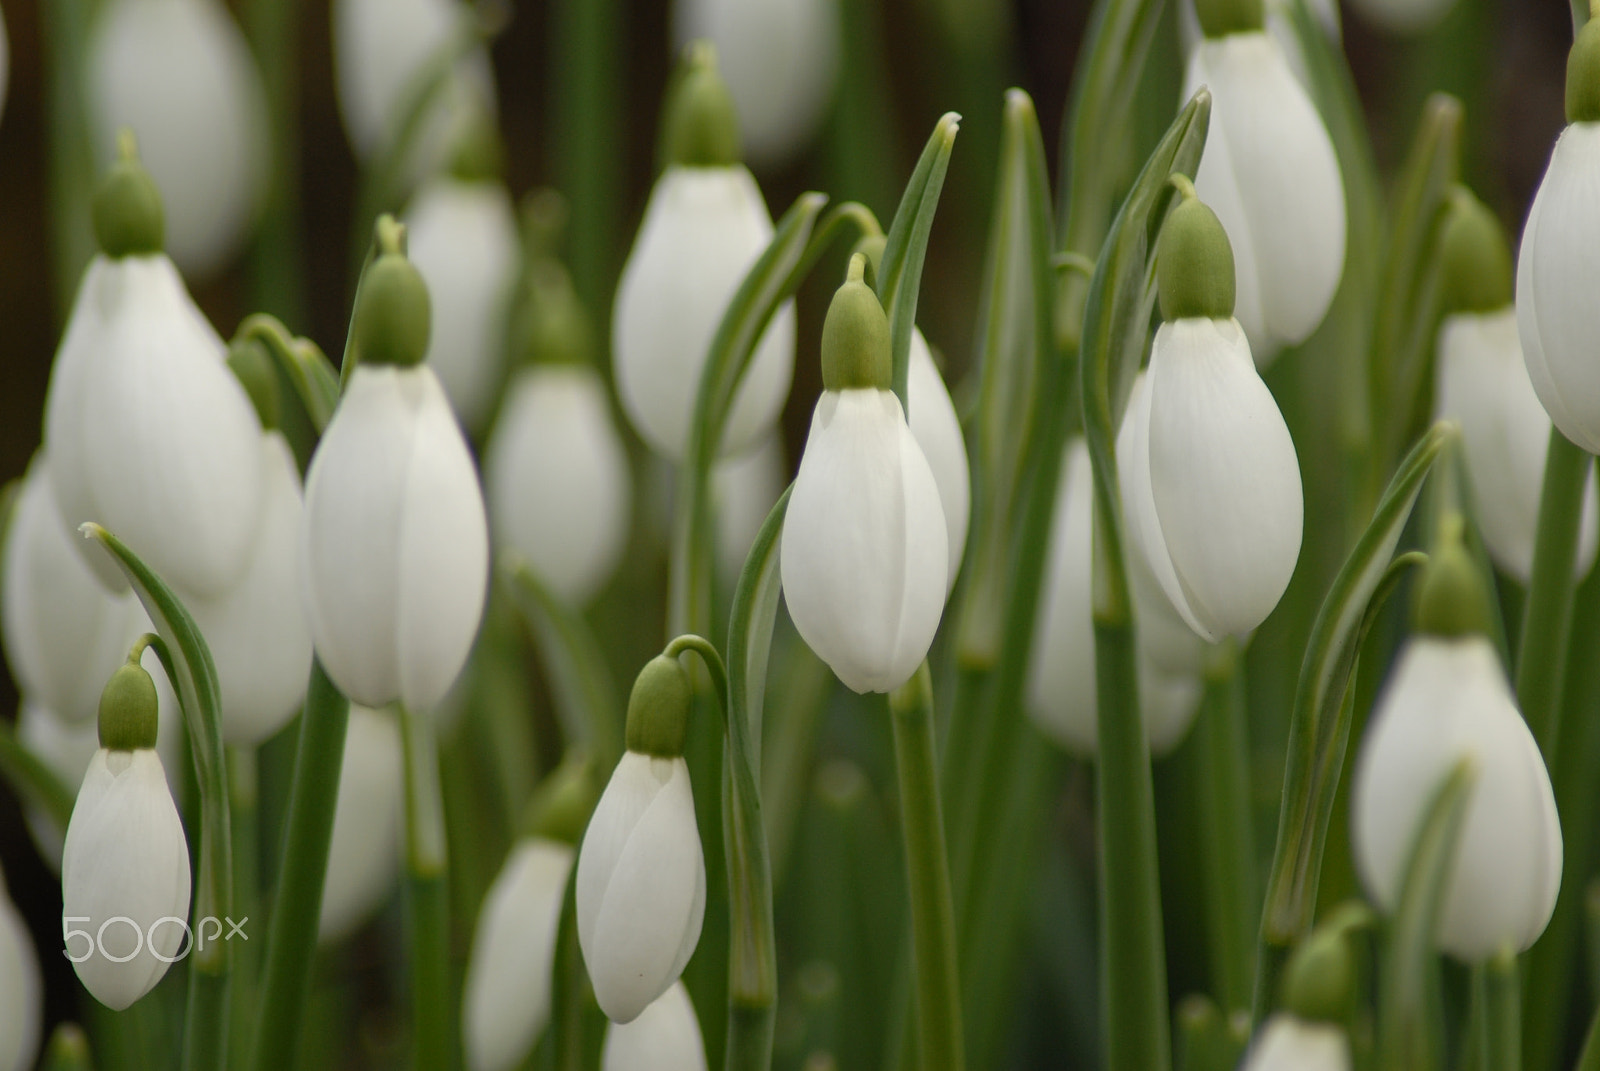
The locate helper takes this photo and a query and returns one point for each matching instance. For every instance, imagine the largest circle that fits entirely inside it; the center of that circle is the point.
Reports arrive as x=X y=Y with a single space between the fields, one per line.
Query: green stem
x=1589 y=1059
x=584 y=148
x=1502 y=991
x=1547 y=619
x=205 y=1034
x=308 y=828
x=65 y=29
x=427 y=896
x=277 y=252
x=933 y=927
x=243 y=787
x=1228 y=864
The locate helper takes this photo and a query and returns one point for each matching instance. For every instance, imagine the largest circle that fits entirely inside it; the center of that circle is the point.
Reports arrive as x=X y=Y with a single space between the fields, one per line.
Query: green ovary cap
x=699 y=127
x=554 y=326
x=871 y=247
x=1475 y=257
x=128 y=218
x=855 y=336
x=477 y=155
x=1453 y=601
x=1194 y=263
x=1221 y=17
x=658 y=709
x=393 y=318
x=1319 y=982
x=561 y=805
x=129 y=709
x=252 y=367
x=1583 y=75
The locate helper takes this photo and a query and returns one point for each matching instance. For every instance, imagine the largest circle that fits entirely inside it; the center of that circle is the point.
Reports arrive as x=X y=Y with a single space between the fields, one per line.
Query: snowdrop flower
x=1447 y=700
x=556 y=472
x=1556 y=316
x=394 y=536
x=937 y=431
x=780 y=58
x=864 y=556
x=21 y=990
x=704 y=226
x=181 y=76
x=1482 y=383
x=665 y=1037
x=1270 y=173
x=148 y=432
x=641 y=892
x=1061 y=671
x=125 y=866
x=1403 y=16
x=744 y=490
x=1289 y=1043
x=1209 y=479
x=364 y=854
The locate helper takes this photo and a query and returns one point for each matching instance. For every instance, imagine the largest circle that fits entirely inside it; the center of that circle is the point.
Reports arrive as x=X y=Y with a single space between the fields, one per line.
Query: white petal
x=181 y=76
x=665 y=1037
x=364 y=853
x=1286 y=178
x=258 y=634
x=125 y=865
x=1556 y=316
x=1223 y=474
x=1290 y=1044
x=1061 y=677
x=863 y=550
x=1169 y=703
x=506 y=996
x=462 y=236
x=557 y=478
x=744 y=489
x=21 y=990
x=933 y=421
x=703 y=228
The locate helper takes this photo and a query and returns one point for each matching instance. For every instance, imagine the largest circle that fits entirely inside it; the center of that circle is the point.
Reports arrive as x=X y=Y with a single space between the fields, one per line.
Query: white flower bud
x=364 y=854
x=864 y=551
x=506 y=997
x=665 y=1037
x=395 y=541
x=462 y=237
x=21 y=990
x=934 y=424
x=557 y=478
x=149 y=433
x=703 y=229
x=744 y=489
x=1270 y=174
x=1447 y=699
x=181 y=76
x=1483 y=384
x=124 y=877
x=1288 y=1043
x=780 y=59
x=641 y=890
x=1557 y=317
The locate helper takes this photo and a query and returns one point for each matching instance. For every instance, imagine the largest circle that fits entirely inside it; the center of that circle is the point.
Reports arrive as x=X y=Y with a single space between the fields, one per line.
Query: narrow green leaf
x=315 y=382
x=755 y=611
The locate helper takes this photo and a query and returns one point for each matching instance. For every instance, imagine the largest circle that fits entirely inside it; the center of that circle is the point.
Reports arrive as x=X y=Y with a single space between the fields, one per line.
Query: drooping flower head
x=364 y=847
x=665 y=1037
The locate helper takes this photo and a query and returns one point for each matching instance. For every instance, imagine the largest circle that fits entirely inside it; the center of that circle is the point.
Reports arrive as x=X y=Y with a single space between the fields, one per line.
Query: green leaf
x=315 y=382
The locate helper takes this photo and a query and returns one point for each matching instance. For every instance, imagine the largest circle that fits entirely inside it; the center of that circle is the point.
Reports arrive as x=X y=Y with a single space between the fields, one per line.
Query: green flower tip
x=393 y=317
x=555 y=327
x=1219 y=18
x=1475 y=256
x=855 y=336
x=544 y=219
x=1194 y=261
x=126 y=210
x=658 y=709
x=68 y=1049
x=699 y=126
x=252 y=367
x=561 y=805
x=1583 y=75
x=477 y=155
x=1453 y=601
x=1320 y=981
x=128 y=707
x=871 y=246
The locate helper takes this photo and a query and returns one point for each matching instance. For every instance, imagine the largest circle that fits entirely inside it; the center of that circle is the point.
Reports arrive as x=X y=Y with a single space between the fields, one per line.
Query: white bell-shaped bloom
x=1483 y=384
x=124 y=877
x=462 y=236
x=745 y=488
x=395 y=541
x=1270 y=174
x=1279 y=23
x=864 y=556
x=665 y=1037
x=1210 y=482
x=21 y=990
x=703 y=229
x=934 y=424
x=1061 y=671
x=641 y=890
x=258 y=634
x=181 y=76
x=506 y=997
x=780 y=59
x=1557 y=316
x=557 y=478
x=64 y=633
x=1403 y=16
x=364 y=853
x=149 y=433
x=1447 y=700
x=1289 y=1043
